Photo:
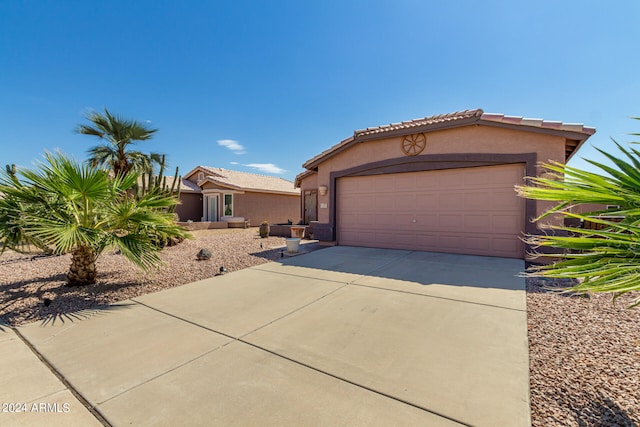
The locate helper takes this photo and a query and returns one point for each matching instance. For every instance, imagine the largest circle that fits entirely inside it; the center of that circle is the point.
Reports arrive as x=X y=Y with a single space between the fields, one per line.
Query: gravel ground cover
x=584 y=356
x=584 y=352
x=31 y=287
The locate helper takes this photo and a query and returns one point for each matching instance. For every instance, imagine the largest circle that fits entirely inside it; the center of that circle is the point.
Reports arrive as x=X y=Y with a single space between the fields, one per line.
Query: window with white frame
x=200 y=176
x=228 y=205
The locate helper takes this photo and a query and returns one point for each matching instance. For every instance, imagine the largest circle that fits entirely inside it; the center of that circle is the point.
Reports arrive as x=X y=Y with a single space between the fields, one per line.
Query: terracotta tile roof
x=540 y=123
x=576 y=133
x=426 y=121
x=248 y=181
x=185 y=186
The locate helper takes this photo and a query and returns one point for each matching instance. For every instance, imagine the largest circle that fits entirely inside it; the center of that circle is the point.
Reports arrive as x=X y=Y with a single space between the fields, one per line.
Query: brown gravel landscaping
x=584 y=352
x=26 y=281
x=584 y=358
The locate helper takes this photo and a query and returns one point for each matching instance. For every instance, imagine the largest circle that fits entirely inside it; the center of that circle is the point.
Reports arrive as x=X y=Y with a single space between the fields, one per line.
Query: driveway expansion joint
x=439 y=297
x=84 y=402
x=302 y=276
x=274 y=353
x=355 y=384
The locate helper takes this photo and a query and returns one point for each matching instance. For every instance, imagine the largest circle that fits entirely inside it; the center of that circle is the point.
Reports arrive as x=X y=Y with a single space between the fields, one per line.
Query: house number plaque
x=412 y=145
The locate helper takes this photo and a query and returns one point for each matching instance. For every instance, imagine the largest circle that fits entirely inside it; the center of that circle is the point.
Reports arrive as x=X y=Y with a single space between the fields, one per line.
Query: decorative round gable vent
x=412 y=145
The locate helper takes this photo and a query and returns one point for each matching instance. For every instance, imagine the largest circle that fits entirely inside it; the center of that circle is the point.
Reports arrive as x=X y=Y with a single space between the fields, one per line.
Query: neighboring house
x=443 y=183
x=218 y=195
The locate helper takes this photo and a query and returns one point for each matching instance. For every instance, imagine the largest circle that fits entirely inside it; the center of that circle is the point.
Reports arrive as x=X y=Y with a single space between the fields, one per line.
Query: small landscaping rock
x=203 y=254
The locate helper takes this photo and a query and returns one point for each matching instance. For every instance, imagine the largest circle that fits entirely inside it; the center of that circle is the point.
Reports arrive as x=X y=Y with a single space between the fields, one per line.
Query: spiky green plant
x=63 y=206
x=607 y=259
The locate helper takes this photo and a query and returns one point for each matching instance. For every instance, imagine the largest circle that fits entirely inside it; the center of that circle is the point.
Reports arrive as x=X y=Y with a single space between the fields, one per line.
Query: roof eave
x=567 y=134
x=301 y=176
x=191 y=172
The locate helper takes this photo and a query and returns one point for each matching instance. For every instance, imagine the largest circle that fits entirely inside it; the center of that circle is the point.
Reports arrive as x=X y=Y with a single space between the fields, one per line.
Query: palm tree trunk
x=83 y=267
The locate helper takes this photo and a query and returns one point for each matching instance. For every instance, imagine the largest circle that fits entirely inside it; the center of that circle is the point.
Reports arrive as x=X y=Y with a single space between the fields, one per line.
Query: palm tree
x=65 y=207
x=608 y=259
x=119 y=134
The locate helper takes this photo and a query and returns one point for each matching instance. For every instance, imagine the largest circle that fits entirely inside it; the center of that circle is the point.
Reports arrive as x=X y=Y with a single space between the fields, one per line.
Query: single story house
x=210 y=194
x=443 y=183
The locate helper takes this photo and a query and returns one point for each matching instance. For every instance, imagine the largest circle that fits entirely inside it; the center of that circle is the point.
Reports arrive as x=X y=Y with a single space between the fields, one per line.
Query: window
x=228 y=205
x=200 y=176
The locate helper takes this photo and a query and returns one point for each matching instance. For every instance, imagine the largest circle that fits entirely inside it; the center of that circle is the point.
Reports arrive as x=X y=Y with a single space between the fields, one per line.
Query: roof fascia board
x=301 y=176
x=341 y=146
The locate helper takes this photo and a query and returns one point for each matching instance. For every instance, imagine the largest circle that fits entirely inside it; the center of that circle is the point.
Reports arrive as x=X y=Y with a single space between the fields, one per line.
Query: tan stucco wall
x=309 y=183
x=470 y=139
x=274 y=208
x=190 y=207
x=212 y=186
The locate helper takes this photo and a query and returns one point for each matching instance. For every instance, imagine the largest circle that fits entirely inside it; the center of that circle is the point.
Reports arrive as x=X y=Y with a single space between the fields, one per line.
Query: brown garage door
x=467 y=211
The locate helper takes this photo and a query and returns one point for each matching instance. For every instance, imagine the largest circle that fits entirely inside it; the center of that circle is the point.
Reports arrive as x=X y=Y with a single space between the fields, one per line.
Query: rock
x=203 y=254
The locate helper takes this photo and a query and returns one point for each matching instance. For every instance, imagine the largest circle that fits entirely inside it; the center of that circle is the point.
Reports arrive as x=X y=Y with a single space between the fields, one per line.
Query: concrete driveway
x=340 y=336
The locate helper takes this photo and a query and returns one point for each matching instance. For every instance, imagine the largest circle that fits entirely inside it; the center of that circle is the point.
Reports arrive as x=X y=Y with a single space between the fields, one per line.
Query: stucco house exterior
x=216 y=195
x=443 y=183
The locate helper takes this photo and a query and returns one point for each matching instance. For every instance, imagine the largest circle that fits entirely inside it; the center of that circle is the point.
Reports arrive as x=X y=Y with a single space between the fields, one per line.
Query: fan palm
x=66 y=207
x=119 y=134
x=608 y=259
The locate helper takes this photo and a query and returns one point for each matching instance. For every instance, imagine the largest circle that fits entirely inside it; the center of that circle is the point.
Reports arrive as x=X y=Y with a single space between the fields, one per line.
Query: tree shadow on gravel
x=602 y=412
x=16 y=290
x=52 y=300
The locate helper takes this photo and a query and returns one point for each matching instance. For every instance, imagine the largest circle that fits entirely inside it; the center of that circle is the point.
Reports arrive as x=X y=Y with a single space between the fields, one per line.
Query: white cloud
x=266 y=167
x=234 y=163
x=232 y=145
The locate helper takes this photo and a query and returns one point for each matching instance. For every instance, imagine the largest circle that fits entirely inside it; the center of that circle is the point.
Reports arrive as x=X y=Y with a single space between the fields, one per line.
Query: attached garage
x=469 y=211
x=443 y=183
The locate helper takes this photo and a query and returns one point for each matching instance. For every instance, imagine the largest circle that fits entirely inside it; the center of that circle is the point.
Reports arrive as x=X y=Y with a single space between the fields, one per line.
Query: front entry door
x=310 y=206
x=213 y=208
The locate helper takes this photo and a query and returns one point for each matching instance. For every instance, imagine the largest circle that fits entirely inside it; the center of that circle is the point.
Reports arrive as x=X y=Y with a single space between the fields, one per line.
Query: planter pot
x=297 y=231
x=293 y=245
x=264 y=230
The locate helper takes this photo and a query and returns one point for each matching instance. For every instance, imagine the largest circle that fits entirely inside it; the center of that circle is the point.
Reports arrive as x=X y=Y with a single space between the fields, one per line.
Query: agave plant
x=606 y=259
x=63 y=206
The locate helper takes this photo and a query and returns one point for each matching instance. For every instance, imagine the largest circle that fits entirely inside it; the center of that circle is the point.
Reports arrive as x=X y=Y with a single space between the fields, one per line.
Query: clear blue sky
x=280 y=81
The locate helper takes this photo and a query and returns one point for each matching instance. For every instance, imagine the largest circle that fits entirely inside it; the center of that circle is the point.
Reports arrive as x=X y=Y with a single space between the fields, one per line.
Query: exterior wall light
x=323 y=190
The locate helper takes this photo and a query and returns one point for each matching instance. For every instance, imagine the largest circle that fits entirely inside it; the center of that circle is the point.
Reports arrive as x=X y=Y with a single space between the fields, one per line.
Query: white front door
x=213 y=208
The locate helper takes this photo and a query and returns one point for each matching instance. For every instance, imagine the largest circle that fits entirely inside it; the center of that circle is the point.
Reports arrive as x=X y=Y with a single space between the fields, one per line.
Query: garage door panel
x=480 y=223
x=449 y=202
x=402 y=201
x=448 y=222
x=474 y=178
x=427 y=202
x=476 y=201
x=505 y=223
x=503 y=200
x=353 y=220
x=470 y=210
x=426 y=222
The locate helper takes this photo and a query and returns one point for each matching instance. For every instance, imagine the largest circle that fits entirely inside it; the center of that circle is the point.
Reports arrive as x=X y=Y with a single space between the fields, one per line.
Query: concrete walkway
x=340 y=336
